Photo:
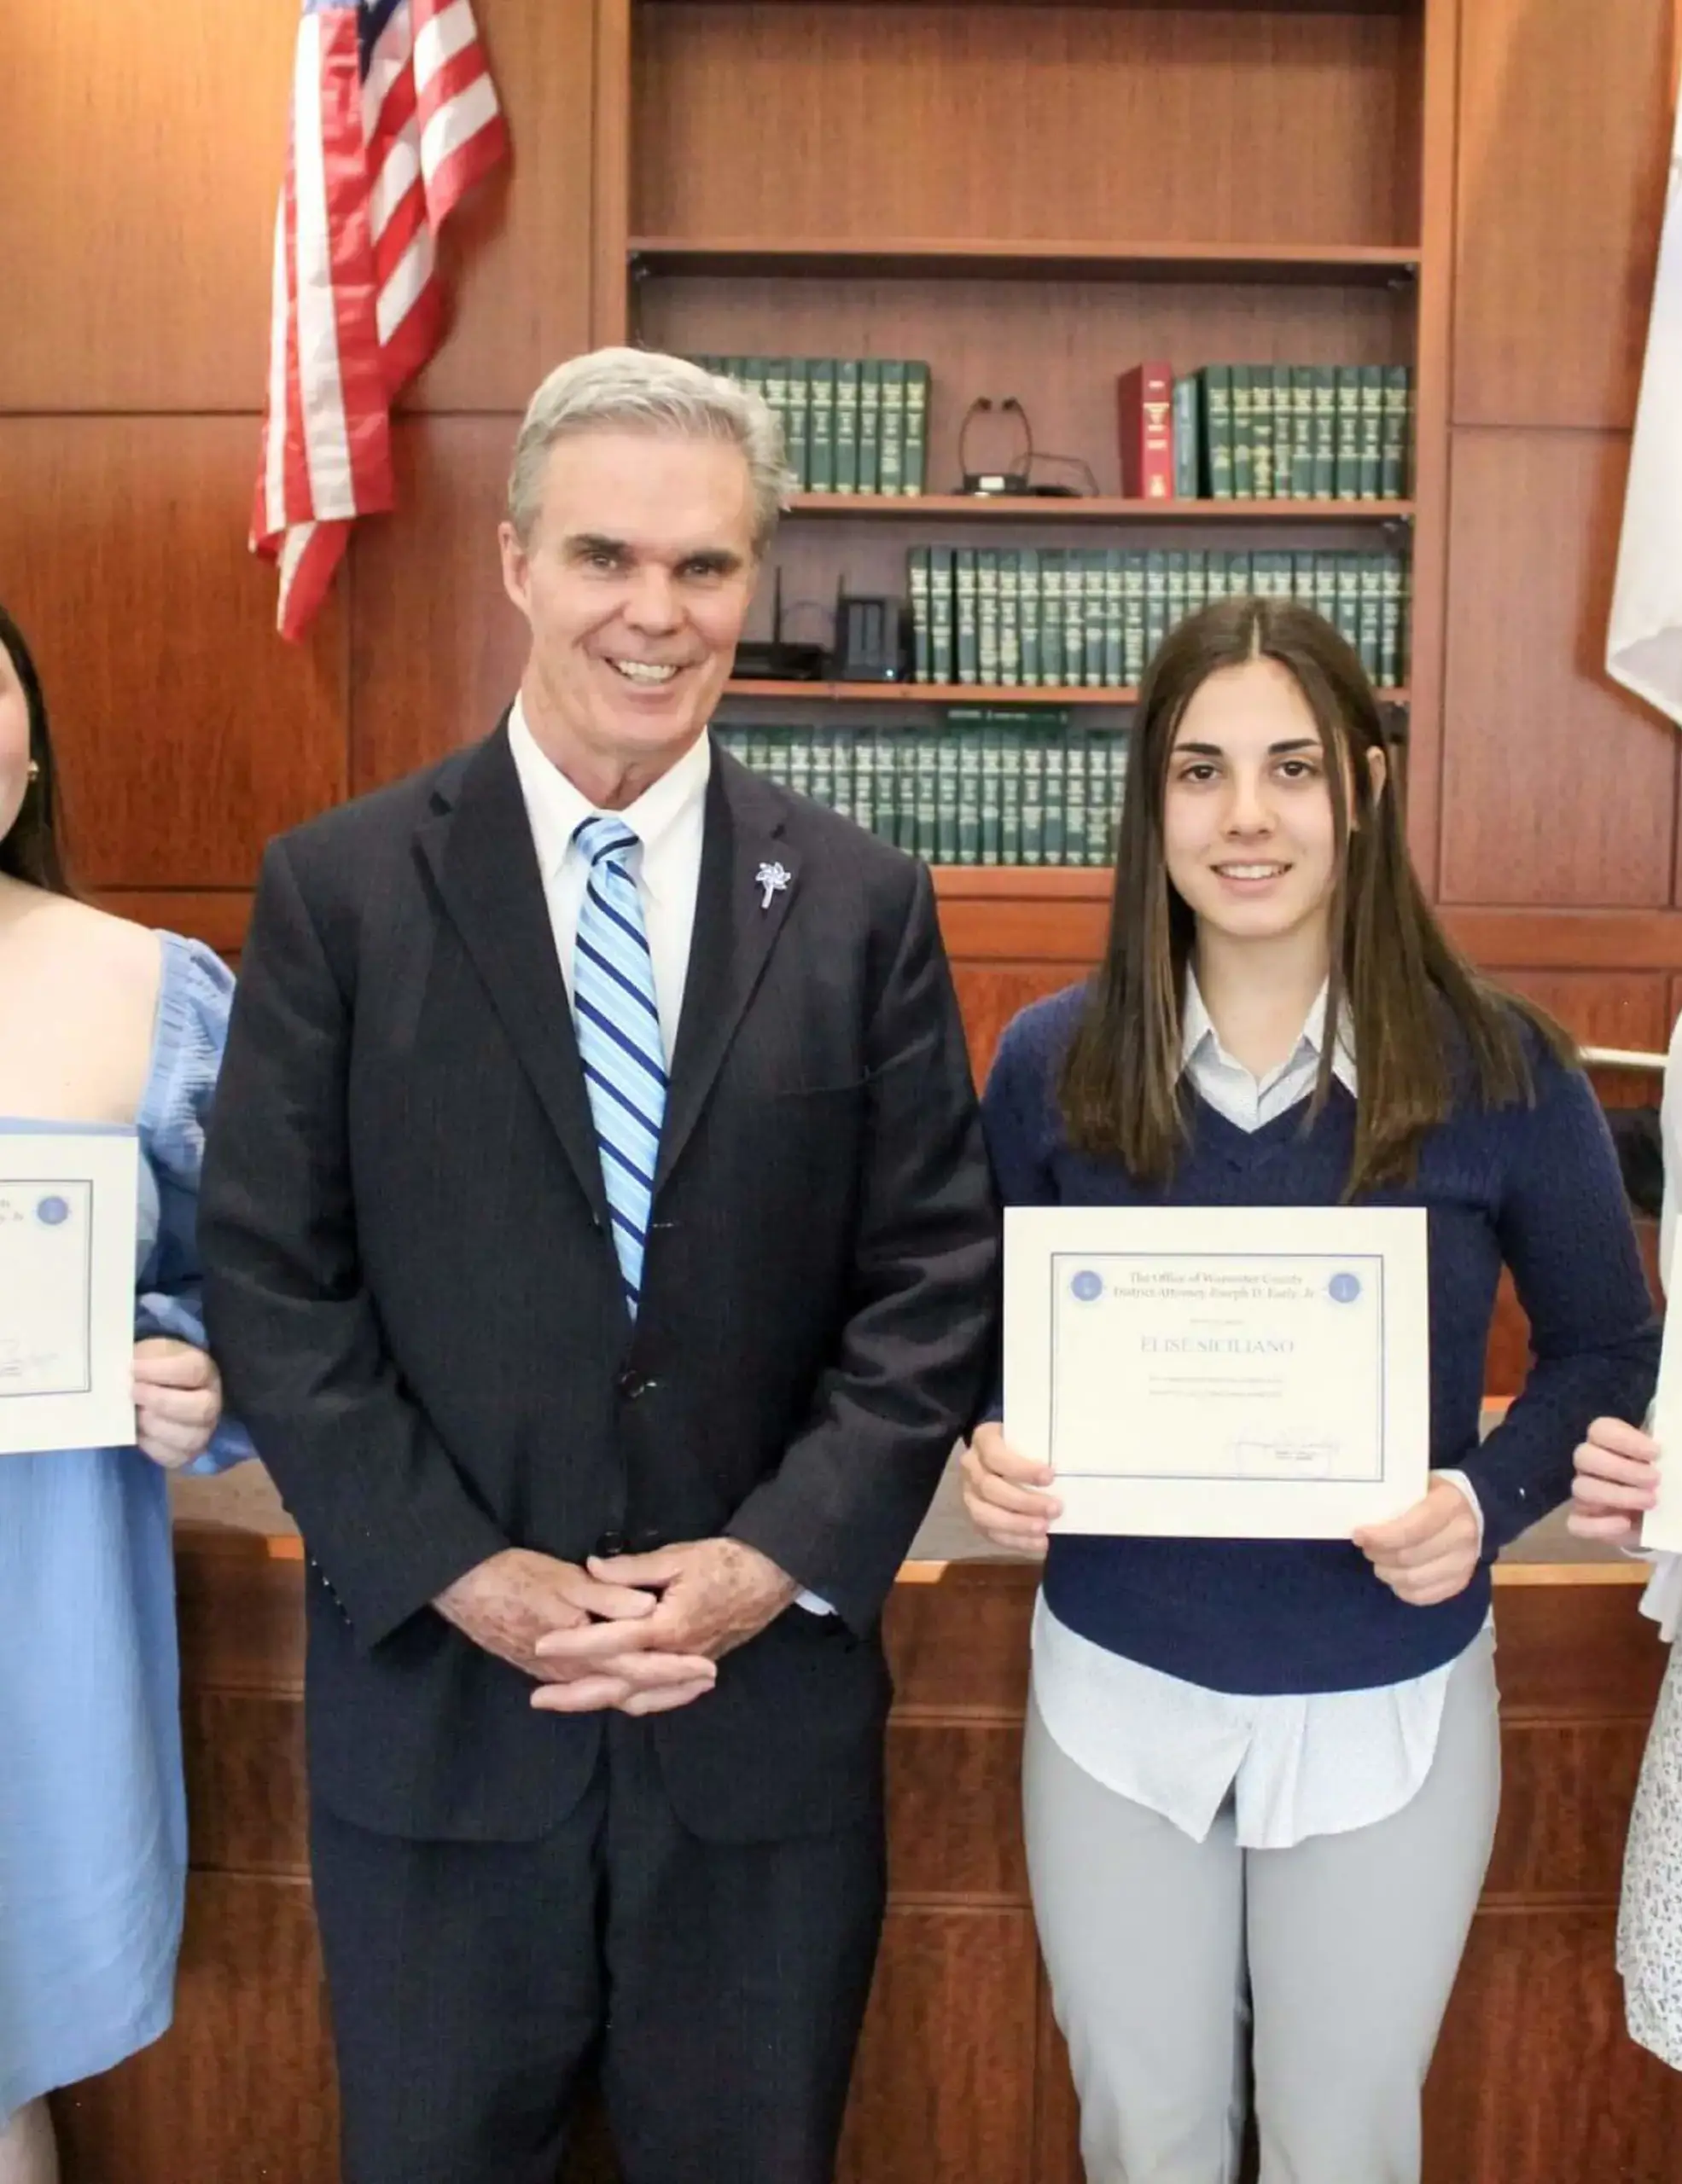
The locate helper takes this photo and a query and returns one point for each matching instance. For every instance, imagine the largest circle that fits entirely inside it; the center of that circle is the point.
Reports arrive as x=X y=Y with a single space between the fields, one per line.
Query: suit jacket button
x=632 y=1385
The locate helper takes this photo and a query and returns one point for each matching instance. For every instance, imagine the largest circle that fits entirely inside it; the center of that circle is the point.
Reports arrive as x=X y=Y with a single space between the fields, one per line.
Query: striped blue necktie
x=618 y=1025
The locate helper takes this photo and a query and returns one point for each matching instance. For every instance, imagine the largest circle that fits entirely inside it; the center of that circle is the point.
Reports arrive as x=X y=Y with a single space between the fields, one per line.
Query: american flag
x=393 y=117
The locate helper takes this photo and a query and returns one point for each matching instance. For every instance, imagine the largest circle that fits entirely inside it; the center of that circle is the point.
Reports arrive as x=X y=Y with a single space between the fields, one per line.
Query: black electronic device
x=1012 y=478
x=777 y=658
x=869 y=639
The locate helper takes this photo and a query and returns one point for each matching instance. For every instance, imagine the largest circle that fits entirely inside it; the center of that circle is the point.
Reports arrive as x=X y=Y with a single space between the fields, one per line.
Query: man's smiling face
x=635 y=579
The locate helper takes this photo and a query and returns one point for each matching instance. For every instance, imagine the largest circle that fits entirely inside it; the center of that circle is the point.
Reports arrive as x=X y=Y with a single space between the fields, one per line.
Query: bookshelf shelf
x=1014 y=509
x=924 y=256
x=957 y=693
x=932 y=694
x=1039 y=883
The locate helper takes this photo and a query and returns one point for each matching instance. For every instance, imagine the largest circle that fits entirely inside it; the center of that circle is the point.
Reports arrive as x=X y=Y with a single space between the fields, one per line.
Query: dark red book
x=1146 y=400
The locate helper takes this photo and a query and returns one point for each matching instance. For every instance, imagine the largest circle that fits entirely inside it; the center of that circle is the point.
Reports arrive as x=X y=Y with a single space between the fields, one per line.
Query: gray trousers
x=1331 y=1963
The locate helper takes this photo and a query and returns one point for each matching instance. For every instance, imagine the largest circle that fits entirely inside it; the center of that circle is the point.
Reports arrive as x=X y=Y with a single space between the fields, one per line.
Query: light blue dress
x=93 y=1824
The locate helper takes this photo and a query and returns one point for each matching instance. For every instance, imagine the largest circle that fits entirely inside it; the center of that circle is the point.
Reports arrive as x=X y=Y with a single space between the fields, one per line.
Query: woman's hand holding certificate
x=1203 y=1372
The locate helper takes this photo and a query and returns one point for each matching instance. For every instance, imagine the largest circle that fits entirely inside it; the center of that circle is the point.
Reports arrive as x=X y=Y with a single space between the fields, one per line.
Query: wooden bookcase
x=1033 y=196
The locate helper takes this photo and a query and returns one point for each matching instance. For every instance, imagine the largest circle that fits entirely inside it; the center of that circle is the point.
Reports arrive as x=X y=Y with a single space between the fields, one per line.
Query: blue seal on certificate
x=1344 y=1288
x=52 y=1211
x=1086 y=1287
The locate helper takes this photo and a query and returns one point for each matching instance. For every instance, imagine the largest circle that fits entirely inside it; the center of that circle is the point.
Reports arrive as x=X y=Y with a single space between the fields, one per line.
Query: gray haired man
x=601 y=1250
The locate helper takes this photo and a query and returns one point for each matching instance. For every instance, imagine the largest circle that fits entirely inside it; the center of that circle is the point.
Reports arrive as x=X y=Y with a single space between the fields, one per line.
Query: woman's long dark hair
x=32 y=849
x=1393 y=969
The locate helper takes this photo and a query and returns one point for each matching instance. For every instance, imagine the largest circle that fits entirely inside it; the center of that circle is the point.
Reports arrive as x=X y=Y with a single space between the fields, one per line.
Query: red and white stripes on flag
x=393 y=117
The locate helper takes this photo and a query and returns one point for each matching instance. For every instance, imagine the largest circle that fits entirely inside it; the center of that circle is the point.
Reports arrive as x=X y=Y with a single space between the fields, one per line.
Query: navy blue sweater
x=1536 y=1187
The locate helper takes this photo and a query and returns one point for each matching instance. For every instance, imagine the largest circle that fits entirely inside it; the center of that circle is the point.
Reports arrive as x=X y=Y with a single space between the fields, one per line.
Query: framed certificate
x=1250 y=1373
x=68 y=1246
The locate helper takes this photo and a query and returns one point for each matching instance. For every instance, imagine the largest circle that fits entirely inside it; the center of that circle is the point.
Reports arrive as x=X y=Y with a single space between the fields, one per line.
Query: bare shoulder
x=116 y=955
x=78 y=1003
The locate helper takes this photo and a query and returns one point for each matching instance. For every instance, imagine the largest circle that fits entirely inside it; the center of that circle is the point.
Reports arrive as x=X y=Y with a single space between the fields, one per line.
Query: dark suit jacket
x=411 y=1288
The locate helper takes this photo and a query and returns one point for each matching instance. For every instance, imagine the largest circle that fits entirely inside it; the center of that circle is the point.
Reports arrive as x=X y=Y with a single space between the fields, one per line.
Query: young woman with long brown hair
x=103 y=1024
x=1260 y=1778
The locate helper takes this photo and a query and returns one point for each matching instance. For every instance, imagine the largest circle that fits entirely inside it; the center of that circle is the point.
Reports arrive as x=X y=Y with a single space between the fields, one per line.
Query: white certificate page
x=1200 y=1372
x=67 y=1239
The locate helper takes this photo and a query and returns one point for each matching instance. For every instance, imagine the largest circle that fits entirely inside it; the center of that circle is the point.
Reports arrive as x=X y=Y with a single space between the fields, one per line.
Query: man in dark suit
x=600 y=1248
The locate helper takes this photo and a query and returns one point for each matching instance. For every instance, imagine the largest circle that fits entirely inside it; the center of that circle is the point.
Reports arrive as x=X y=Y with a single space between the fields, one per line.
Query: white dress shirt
x=1296 y=1765
x=669 y=821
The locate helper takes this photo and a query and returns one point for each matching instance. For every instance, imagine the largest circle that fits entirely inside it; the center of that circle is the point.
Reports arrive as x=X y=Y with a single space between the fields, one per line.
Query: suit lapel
x=482 y=860
x=737 y=919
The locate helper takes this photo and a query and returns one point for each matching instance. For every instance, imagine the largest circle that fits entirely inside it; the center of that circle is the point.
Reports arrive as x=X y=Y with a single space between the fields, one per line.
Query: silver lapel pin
x=773 y=878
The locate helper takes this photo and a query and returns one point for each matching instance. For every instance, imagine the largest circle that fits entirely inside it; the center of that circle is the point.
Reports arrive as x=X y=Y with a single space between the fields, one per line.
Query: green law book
x=987 y=615
x=1034 y=797
x=885 y=813
x=841 y=799
x=774 y=385
x=1325 y=587
x=1371 y=645
x=1009 y=794
x=1217 y=383
x=1028 y=611
x=1261 y=431
x=863 y=741
x=915 y=479
x=1302 y=578
x=869 y=425
x=968 y=627
x=1349 y=598
x=942 y=605
x=1325 y=432
x=1347 y=444
x=1091 y=562
x=1196 y=579
x=1371 y=465
x=1284 y=431
x=799 y=760
x=1072 y=581
x=1392 y=464
x=1187 y=440
x=1054 y=794
x=945 y=776
x=821 y=427
x=1133 y=652
x=823 y=766
x=1175 y=587
x=1074 y=798
x=1114 y=640
x=928 y=794
x=846 y=424
x=1051 y=617
x=1302 y=432
x=908 y=816
x=1240 y=574
x=1010 y=616
x=891 y=478
x=1155 y=603
x=1243 y=446
x=969 y=793
x=992 y=769
x=797 y=424
x=916 y=582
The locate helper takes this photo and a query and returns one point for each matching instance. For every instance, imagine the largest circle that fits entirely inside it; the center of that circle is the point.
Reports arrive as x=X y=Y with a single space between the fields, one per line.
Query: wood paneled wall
x=136 y=231
x=1558 y=790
